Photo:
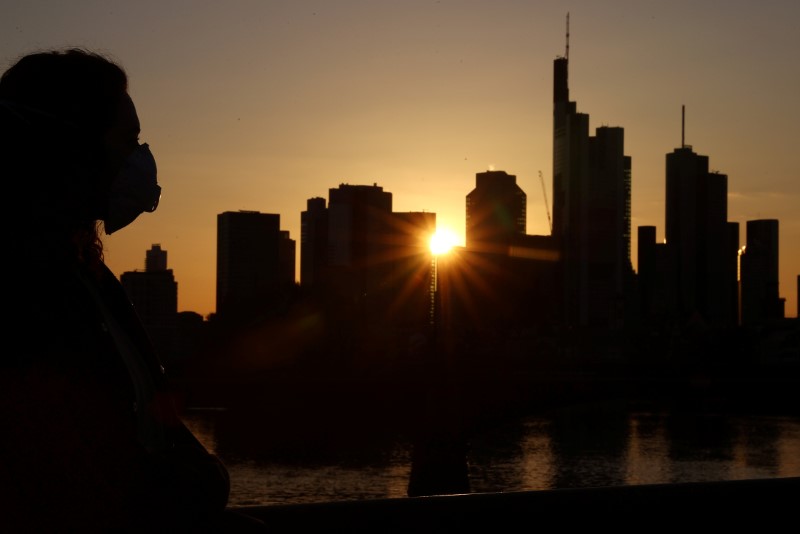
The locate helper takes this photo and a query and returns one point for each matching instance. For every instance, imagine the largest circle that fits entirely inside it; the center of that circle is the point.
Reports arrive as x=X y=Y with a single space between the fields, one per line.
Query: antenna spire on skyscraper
x=566 y=55
x=683 y=126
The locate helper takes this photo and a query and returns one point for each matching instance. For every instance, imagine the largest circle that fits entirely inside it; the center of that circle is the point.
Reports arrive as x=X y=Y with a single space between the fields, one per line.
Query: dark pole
x=439 y=460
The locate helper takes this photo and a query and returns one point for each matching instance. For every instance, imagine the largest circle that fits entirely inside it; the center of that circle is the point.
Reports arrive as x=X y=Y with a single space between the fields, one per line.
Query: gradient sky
x=260 y=105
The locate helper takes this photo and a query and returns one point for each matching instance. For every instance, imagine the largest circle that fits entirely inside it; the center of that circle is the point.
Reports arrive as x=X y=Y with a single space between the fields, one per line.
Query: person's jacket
x=70 y=453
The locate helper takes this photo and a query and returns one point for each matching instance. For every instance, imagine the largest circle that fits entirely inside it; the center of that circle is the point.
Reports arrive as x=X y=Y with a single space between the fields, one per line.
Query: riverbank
x=344 y=410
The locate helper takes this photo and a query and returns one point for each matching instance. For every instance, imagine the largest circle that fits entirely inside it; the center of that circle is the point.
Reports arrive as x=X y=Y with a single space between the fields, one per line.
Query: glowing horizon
x=261 y=106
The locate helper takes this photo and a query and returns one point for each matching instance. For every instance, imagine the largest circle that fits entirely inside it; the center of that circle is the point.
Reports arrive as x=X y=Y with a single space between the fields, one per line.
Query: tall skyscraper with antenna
x=591 y=210
x=698 y=238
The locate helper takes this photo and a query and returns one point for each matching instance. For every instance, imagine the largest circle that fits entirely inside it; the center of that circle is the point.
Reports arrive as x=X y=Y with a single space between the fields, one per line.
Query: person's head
x=76 y=86
x=73 y=127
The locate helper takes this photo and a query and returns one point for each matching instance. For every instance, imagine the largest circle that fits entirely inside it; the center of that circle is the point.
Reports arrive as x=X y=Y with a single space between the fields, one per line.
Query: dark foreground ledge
x=769 y=504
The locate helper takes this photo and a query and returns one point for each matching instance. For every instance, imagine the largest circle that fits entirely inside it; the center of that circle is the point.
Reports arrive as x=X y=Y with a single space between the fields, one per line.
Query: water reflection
x=579 y=447
x=647 y=458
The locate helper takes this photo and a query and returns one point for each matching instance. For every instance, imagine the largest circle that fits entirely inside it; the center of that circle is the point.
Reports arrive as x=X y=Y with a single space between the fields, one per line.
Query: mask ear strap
x=21 y=112
x=35 y=117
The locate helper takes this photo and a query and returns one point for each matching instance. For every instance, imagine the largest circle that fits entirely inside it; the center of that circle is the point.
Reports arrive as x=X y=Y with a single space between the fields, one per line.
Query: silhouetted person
x=91 y=438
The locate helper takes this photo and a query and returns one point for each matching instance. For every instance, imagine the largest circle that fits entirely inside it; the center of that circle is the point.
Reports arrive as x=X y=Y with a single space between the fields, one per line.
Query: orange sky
x=260 y=105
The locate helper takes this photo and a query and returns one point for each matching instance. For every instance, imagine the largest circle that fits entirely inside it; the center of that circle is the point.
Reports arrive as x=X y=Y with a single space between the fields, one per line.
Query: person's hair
x=78 y=86
x=68 y=100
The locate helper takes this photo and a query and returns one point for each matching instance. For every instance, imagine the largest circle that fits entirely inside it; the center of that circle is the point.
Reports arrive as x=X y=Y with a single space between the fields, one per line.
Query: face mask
x=135 y=190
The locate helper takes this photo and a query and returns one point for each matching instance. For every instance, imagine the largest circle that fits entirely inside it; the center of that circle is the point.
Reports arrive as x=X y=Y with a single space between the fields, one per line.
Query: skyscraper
x=570 y=159
x=698 y=238
x=503 y=278
x=358 y=219
x=608 y=229
x=252 y=265
x=155 y=259
x=496 y=212
x=313 y=242
x=761 y=301
x=591 y=211
x=371 y=263
x=154 y=294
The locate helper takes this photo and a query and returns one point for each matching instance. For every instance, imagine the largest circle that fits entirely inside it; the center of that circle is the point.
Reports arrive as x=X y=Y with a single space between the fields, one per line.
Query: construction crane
x=546 y=202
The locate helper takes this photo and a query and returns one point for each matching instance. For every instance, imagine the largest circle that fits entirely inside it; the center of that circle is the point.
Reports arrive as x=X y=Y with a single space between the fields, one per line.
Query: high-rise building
x=154 y=294
x=358 y=219
x=591 y=212
x=287 y=254
x=313 y=242
x=570 y=159
x=731 y=274
x=372 y=263
x=253 y=263
x=155 y=259
x=761 y=302
x=496 y=212
x=698 y=239
x=358 y=216
x=405 y=275
x=493 y=282
x=607 y=249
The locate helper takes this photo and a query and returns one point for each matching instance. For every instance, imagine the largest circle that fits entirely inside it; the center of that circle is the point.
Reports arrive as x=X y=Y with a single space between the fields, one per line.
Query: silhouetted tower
x=252 y=270
x=407 y=273
x=154 y=294
x=732 y=274
x=376 y=268
x=357 y=217
x=656 y=295
x=287 y=258
x=608 y=243
x=496 y=212
x=698 y=238
x=313 y=242
x=570 y=153
x=155 y=259
x=761 y=302
x=591 y=210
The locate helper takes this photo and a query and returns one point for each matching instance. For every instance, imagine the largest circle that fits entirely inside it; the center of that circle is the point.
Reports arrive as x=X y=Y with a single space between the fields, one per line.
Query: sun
x=442 y=241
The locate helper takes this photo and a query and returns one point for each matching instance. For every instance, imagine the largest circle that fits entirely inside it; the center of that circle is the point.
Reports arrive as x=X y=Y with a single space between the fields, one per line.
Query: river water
x=579 y=448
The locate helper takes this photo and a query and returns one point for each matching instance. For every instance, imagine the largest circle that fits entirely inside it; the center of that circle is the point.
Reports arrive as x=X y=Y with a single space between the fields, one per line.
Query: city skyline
x=262 y=106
